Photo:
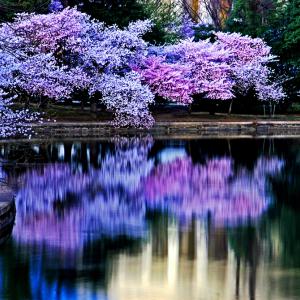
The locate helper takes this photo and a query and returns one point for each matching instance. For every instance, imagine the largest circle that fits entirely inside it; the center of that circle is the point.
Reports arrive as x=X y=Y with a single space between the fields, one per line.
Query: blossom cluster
x=229 y=66
x=14 y=122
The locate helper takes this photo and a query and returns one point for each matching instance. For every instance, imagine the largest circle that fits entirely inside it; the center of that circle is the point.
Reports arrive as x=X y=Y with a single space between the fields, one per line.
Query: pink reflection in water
x=186 y=189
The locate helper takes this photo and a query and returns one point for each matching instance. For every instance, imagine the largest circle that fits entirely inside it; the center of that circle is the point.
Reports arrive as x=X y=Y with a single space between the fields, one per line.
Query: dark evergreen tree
x=278 y=23
x=122 y=12
x=292 y=33
x=8 y=8
x=252 y=17
x=119 y=12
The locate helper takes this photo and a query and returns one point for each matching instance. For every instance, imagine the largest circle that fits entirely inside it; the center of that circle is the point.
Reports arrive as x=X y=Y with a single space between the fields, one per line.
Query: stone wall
x=168 y=129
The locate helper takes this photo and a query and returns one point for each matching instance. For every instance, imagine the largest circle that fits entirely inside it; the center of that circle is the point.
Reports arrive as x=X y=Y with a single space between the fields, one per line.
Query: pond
x=141 y=218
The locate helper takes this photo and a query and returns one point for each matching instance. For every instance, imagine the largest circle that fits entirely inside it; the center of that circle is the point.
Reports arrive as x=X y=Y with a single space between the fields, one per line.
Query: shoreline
x=255 y=128
x=164 y=130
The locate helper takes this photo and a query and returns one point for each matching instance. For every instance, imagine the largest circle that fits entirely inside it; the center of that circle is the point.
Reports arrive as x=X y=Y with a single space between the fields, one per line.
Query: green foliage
x=166 y=19
x=163 y=14
x=119 y=12
x=8 y=8
x=254 y=17
x=278 y=23
x=204 y=31
x=292 y=33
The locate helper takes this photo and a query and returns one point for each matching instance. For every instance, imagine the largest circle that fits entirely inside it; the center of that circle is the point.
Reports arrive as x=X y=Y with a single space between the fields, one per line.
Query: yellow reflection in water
x=192 y=264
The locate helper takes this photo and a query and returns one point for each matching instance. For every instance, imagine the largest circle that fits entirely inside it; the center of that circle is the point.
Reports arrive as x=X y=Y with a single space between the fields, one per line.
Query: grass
x=65 y=113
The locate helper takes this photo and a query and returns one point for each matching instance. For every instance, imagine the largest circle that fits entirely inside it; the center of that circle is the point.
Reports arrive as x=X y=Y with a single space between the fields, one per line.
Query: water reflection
x=136 y=218
x=7 y=219
x=63 y=207
x=213 y=188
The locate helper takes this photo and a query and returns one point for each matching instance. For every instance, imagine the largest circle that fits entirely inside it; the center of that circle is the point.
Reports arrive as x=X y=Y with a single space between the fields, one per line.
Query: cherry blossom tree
x=249 y=61
x=66 y=51
x=220 y=70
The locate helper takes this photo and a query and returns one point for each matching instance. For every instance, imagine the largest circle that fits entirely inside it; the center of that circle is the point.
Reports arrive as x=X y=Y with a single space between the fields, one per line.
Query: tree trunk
x=43 y=102
x=26 y=102
x=212 y=109
x=93 y=106
x=230 y=107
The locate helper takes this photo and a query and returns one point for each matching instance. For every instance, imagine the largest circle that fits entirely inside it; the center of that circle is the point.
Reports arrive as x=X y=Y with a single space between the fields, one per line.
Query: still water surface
x=139 y=219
